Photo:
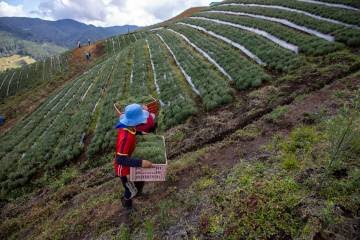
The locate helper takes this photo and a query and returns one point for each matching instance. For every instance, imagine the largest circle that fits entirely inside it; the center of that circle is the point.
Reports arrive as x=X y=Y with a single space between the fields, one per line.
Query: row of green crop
x=349 y=36
x=177 y=103
x=118 y=43
x=244 y=72
x=71 y=145
x=351 y=3
x=52 y=141
x=26 y=139
x=275 y=57
x=209 y=83
x=104 y=132
x=309 y=45
x=140 y=75
x=40 y=119
x=347 y=16
x=13 y=81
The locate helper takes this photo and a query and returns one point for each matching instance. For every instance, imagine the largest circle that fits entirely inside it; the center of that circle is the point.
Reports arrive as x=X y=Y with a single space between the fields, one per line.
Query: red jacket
x=125 y=146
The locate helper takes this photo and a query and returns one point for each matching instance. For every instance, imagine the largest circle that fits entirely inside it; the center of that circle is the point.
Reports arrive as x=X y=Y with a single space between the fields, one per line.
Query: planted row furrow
x=295 y=11
x=42 y=123
x=335 y=5
x=118 y=43
x=139 y=81
x=177 y=104
x=43 y=116
x=308 y=44
x=70 y=145
x=205 y=55
x=16 y=80
x=285 y=22
x=243 y=49
x=35 y=120
x=244 y=72
x=213 y=88
x=352 y=3
x=275 y=57
x=4 y=77
x=54 y=143
x=104 y=134
x=320 y=28
x=157 y=87
x=344 y=15
x=262 y=33
x=187 y=77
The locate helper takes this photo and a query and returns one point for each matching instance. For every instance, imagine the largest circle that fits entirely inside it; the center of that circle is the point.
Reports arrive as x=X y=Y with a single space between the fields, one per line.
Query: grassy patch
x=276 y=115
x=250 y=132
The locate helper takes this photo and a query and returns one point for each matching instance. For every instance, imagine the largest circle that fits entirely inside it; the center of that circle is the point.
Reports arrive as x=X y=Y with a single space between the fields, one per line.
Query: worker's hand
x=145 y=107
x=146 y=164
x=144 y=133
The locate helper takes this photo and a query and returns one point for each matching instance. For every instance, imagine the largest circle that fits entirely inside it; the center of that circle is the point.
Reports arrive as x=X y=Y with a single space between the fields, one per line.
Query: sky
x=100 y=12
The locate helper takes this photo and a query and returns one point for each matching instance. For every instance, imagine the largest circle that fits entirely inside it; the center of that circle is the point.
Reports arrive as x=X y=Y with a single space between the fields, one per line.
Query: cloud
x=7 y=10
x=90 y=10
x=110 y=12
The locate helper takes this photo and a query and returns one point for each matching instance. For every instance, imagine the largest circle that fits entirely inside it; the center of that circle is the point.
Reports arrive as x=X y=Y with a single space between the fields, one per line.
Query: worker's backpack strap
x=131 y=130
x=122 y=154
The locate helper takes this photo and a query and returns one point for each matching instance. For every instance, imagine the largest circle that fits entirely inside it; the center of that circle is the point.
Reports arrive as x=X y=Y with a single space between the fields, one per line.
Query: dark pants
x=131 y=188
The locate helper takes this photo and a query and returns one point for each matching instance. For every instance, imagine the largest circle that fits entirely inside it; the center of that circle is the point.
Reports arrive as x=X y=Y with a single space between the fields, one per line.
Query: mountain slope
x=64 y=33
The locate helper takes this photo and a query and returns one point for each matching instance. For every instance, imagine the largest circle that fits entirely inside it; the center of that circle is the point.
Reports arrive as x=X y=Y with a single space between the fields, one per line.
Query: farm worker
x=87 y=56
x=89 y=42
x=147 y=127
x=125 y=145
x=79 y=44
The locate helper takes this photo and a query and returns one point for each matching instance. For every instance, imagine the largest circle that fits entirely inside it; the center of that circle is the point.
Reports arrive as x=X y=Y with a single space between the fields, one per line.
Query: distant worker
x=79 y=44
x=88 y=56
x=134 y=116
x=89 y=42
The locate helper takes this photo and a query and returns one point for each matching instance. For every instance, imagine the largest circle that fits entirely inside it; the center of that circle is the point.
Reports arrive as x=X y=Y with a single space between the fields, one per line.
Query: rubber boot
x=126 y=203
x=139 y=186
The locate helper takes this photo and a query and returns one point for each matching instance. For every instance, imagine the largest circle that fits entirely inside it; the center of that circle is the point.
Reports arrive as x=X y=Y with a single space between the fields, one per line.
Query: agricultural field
x=29 y=76
x=14 y=61
x=259 y=108
x=325 y=28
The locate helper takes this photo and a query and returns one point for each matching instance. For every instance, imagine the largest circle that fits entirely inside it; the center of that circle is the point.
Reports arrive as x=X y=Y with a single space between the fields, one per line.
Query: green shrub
x=289 y=161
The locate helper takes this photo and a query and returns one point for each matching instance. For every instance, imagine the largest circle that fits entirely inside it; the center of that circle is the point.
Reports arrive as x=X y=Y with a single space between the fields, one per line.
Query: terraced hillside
x=260 y=111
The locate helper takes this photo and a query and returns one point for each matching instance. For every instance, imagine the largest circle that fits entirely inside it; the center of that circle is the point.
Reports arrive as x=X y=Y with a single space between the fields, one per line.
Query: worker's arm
x=128 y=162
x=132 y=162
x=141 y=133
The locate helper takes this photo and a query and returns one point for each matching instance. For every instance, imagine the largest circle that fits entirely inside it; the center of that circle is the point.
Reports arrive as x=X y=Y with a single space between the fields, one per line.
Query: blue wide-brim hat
x=134 y=115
